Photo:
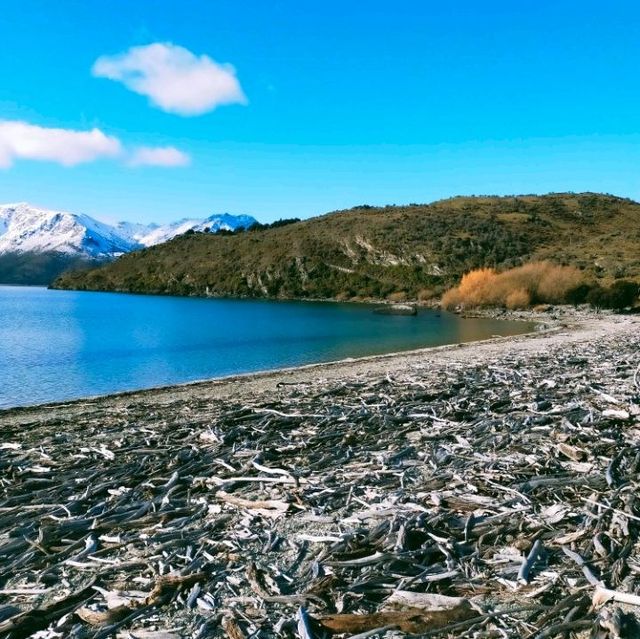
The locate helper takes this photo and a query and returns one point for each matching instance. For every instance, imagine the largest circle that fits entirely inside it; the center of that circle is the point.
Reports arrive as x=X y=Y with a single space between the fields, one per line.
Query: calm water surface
x=61 y=345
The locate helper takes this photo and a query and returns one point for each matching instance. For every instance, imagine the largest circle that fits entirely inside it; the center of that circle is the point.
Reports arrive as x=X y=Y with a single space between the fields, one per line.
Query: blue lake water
x=61 y=345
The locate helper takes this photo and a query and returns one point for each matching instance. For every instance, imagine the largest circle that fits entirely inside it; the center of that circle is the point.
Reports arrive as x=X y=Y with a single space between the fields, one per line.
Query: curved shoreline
x=565 y=326
x=194 y=340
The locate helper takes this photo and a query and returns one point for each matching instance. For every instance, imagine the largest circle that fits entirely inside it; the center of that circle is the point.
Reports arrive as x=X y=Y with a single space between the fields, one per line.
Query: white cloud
x=158 y=156
x=173 y=78
x=20 y=140
x=23 y=141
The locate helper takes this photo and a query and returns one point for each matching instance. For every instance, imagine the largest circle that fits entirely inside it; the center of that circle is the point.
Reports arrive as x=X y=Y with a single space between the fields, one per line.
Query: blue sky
x=328 y=104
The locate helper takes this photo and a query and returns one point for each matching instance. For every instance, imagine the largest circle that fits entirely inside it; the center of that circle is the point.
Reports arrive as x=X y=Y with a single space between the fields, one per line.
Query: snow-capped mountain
x=37 y=244
x=25 y=228
x=148 y=235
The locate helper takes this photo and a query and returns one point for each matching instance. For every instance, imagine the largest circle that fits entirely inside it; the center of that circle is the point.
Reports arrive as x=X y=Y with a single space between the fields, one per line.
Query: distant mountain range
x=36 y=244
x=394 y=252
x=152 y=234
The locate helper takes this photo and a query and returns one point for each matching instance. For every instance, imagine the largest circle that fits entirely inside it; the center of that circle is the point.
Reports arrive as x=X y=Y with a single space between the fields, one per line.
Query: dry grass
x=534 y=283
x=398 y=296
x=426 y=294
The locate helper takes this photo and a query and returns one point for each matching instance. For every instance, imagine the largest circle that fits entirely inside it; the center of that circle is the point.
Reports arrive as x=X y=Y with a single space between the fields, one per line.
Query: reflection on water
x=59 y=345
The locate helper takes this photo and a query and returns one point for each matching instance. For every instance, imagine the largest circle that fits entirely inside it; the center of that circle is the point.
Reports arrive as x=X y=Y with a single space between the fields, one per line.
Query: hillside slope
x=399 y=251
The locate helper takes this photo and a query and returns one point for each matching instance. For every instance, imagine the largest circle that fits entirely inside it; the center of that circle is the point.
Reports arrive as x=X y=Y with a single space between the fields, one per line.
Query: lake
x=63 y=345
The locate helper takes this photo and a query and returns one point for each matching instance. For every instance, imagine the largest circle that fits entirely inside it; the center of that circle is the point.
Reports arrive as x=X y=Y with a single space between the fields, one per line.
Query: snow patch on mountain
x=133 y=231
x=167 y=232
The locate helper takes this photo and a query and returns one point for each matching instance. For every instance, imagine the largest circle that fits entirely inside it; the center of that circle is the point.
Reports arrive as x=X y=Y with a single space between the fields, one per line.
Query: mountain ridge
x=393 y=252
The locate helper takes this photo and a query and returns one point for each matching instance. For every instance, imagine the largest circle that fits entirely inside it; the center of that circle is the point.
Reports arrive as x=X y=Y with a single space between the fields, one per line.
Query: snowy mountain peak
x=26 y=228
x=156 y=234
x=228 y=222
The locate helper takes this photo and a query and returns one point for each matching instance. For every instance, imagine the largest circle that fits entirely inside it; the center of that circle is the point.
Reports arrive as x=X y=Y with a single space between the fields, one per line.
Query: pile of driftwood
x=492 y=500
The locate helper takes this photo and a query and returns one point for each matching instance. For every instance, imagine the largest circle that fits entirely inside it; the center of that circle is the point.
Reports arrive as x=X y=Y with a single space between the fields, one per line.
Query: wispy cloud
x=21 y=140
x=158 y=156
x=173 y=78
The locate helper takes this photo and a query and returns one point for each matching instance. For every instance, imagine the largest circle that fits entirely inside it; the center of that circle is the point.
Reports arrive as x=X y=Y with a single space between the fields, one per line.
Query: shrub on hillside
x=621 y=294
x=534 y=283
x=624 y=293
x=578 y=294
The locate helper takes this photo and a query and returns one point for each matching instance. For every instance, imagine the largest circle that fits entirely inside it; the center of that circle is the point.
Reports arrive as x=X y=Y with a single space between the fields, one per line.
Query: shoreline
x=579 y=324
x=498 y=479
x=18 y=400
x=542 y=323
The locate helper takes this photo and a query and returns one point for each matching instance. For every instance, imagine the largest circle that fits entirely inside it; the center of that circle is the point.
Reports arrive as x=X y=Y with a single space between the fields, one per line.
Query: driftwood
x=529 y=560
x=604 y=595
x=481 y=499
x=232 y=629
x=27 y=623
x=424 y=601
x=411 y=621
x=165 y=587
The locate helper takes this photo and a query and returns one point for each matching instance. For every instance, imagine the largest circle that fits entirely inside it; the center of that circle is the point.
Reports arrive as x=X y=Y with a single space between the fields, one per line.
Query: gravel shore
x=478 y=490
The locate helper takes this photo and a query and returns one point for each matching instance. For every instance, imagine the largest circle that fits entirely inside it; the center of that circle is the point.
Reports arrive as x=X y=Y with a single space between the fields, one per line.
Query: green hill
x=411 y=252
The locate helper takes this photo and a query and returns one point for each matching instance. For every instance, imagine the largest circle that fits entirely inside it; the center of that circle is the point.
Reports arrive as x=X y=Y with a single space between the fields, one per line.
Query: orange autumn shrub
x=533 y=283
x=451 y=299
x=518 y=299
x=474 y=287
x=557 y=282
